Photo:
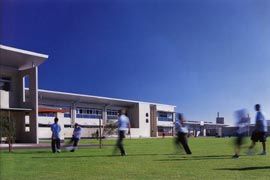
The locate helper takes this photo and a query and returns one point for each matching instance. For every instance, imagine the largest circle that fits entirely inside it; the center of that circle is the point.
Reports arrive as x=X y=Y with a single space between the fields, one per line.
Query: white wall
x=83 y=121
x=165 y=123
x=144 y=128
x=4 y=99
x=167 y=108
x=45 y=132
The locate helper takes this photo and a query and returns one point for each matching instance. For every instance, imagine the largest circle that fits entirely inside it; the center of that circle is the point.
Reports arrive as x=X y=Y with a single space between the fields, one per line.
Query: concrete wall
x=165 y=123
x=32 y=102
x=144 y=127
x=4 y=99
x=166 y=108
x=16 y=100
x=14 y=93
x=133 y=114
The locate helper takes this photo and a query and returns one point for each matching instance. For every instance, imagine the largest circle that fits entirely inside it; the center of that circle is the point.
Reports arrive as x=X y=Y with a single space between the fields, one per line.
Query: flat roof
x=15 y=109
x=20 y=59
x=82 y=98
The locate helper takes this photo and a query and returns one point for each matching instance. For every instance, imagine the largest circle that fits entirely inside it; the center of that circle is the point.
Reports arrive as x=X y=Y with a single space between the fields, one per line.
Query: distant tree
x=110 y=128
x=7 y=128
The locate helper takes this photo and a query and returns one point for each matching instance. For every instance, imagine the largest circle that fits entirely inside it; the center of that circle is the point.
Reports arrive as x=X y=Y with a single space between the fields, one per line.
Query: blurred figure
x=97 y=135
x=163 y=134
x=123 y=126
x=259 y=134
x=55 y=128
x=242 y=124
x=76 y=136
x=182 y=133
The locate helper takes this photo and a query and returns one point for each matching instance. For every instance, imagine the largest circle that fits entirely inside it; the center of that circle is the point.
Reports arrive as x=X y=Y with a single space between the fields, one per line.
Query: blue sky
x=203 y=56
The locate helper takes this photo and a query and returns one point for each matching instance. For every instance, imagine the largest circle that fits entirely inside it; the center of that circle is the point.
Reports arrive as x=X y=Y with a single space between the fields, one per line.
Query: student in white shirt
x=123 y=128
x=242 y=122
x=260 y=132
x=181 y=132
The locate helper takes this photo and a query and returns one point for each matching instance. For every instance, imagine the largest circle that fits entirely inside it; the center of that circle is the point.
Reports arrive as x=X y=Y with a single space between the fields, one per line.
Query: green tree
x=7 y=128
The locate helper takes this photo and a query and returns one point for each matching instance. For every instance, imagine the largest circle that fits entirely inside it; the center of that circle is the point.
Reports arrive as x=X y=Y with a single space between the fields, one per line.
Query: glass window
x=5 y=83
x=89 y=113
x=165 y=116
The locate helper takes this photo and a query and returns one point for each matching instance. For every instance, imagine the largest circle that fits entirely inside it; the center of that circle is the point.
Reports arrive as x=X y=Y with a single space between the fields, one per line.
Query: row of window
x=66 y=126
x=97 y=114
x=112 y=114
x=87 y=113
x=165 y=116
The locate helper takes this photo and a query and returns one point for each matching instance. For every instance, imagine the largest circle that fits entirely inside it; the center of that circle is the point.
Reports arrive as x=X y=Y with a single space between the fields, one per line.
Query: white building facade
x=34 y=109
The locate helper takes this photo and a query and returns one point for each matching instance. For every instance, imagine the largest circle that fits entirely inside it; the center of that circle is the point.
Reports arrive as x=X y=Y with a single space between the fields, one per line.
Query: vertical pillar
x=33 y=93
x=73 y=114
x=104 y=115
x=204 y=131
x=153 y=120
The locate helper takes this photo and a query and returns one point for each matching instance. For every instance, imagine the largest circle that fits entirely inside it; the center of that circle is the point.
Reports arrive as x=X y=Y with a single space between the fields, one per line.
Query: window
x=5 y=83
x=112 y=114
x=45 y=114
x=165 y=116
x=67 y=114
x=89 y=113
x=27 y=123
x=44 y=125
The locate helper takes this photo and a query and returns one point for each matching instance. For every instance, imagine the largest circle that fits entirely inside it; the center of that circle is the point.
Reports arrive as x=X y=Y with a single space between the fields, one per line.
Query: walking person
x=55 y=128
x=76 y=136
x=259 y=134
x=123 y=127
x=242 y=123
x=182 y=132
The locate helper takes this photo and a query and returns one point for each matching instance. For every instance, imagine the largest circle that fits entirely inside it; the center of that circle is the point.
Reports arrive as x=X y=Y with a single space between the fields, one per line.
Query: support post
x=100 y=134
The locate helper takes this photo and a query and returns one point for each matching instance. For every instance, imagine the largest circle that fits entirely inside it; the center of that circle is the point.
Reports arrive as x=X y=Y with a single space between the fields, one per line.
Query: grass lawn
x=147 y=159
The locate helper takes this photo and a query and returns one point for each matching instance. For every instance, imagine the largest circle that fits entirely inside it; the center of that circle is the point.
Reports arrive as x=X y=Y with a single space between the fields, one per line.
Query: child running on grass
x=242 y=122
x=182 y=133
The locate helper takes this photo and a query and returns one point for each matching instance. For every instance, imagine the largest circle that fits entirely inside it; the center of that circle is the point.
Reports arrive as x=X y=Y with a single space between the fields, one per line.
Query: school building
x=34 y=109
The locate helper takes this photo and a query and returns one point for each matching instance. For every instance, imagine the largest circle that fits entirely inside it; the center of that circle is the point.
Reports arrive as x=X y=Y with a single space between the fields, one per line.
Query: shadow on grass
x=244 y=168
x=190 y=158
x=95 y=156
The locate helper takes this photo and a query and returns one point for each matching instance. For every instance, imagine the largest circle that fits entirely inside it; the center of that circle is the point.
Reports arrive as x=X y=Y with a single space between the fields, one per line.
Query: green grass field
x=147 y=159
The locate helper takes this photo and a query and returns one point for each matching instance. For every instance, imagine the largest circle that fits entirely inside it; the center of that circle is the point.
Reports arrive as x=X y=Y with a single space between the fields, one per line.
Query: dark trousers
x=75 y=142
x=182 y=138
x=55 y=144
x=119 y=143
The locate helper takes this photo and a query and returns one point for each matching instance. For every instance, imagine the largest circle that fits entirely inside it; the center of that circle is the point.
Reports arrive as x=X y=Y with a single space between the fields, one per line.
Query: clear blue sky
x=202 y=55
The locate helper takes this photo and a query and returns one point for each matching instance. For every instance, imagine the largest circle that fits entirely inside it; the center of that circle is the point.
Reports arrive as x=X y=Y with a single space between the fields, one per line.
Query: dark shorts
x=258 y=136
x=239 y=139
x=121 y=134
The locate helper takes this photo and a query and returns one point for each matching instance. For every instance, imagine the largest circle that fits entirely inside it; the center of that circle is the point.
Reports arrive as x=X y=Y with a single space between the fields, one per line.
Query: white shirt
x=123 y=123
x=242 y=125
x=261 y=124
x=180 y=128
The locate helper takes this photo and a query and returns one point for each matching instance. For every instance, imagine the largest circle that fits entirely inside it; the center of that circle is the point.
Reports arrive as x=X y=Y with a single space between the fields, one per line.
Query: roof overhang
x=51 y=110
x=20 y=59
x=87 y=99
x=15 y=109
